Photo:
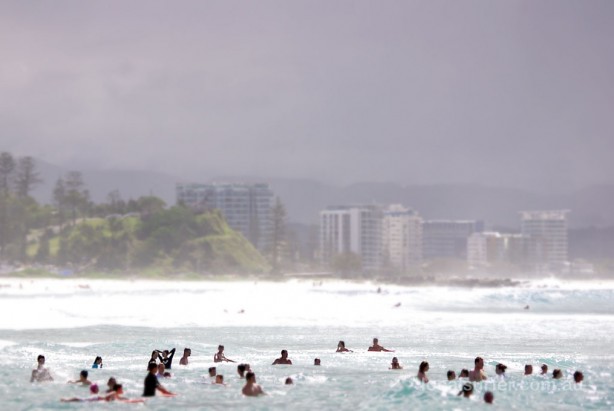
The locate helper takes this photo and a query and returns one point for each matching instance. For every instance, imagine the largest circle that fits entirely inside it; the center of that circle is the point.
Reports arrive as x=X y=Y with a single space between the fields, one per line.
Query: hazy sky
x=497 y=92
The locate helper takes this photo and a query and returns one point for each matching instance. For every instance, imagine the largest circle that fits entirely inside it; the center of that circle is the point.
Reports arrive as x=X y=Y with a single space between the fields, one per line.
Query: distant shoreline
x=469 y=282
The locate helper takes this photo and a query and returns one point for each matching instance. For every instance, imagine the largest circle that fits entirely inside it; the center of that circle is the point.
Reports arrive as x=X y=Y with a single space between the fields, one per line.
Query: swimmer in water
x=251 y=389
x=162 y=373
x=489 y=397
x=284 y=360
x=424 y=367
x=212 y=373
x=557 y=374
x=528 y=369
x=544 y=369
x=394 y=365
x=154 y=358
x=451 y=375
x=467 y=390
x=464 y=373
x=94 y=391
x=166 y=358
x=186 y=353
x=289 y=381
x=219 y=379
x=97 y=363
x=500 y=370
x=82 y=379
x=478 y=374
x=316 y=361
x=241 y=370
x=111 y=384
x=341 y=347
x=40 y=373
x=151 y=383
x=377 y=347
x=219 y=355
x=578 y=377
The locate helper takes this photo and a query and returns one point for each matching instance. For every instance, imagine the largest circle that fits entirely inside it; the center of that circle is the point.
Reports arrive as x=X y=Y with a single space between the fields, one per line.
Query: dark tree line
x=18 y=211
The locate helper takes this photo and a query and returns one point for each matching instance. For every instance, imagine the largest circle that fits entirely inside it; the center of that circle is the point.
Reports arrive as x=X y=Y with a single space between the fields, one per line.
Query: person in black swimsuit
x=152 y=384
x=166 y=358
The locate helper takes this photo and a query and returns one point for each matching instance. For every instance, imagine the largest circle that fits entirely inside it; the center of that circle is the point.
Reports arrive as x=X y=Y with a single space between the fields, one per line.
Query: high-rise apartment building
x=352 y=229
x=384 y=237
x=246 y=207
x=546 y=233
x=401 y=238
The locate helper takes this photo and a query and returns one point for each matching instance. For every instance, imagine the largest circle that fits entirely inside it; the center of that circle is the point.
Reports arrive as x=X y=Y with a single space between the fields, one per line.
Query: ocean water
x=570 y=325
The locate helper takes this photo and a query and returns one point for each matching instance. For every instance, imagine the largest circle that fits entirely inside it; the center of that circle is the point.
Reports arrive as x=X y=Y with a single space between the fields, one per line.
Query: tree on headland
x=76 y=196
x=7 y=168
x=278 y=234
x=59 y=200
x=26 y=177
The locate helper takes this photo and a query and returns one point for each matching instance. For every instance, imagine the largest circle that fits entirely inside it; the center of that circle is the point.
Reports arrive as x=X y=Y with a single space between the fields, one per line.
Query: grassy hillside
x=170 y=241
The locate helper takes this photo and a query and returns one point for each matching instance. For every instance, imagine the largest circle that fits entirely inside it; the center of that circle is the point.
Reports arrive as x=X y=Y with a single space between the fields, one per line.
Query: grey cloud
x=507 y=93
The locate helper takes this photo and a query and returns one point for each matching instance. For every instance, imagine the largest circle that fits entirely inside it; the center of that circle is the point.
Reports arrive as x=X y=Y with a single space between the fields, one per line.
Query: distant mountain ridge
x=304 y=199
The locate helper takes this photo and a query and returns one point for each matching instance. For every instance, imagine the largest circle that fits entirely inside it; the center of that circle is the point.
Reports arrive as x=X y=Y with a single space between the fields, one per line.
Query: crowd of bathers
x=161 y=361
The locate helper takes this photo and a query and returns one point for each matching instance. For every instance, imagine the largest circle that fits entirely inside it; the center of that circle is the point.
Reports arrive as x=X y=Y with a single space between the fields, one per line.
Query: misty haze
x=305 y=175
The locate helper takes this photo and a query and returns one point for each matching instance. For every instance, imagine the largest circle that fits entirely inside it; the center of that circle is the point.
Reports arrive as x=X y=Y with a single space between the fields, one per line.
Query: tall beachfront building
x=386 y=238
x=246 y=207
x=401 y=238
x=546 y=232
x=352 y=229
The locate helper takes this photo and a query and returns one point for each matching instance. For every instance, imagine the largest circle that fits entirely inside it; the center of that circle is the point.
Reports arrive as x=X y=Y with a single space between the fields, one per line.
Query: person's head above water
x=528 y=369
x=40 y=359
x=467 y=390
x=489 y=397
x=479 y=363
x=451 y=375
x=250 y=377
x=212 y=371
x=424 y=366
x=284 y=353
x=83 y=374
x=578 y=376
